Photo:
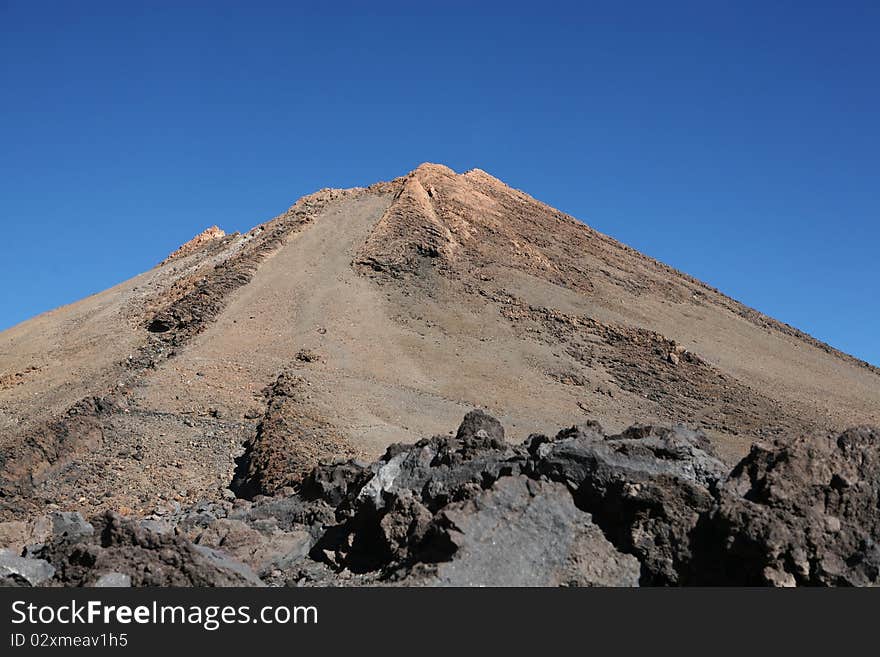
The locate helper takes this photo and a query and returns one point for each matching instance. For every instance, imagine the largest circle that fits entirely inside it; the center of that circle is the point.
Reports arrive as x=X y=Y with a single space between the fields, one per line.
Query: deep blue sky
x=737 y=141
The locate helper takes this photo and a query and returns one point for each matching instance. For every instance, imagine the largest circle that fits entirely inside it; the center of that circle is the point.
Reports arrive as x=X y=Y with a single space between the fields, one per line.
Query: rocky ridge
x=170 y=318
x=207 y=235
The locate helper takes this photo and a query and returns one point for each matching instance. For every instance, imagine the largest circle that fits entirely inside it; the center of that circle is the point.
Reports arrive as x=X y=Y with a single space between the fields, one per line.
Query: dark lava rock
x=460 y=510
x=161 y=324
x=802 y=513
x=335 y=482
x=645 y=451
x=70 y=524
x=149 y=558
x=441 y=470
x=479 y=424
x=385 y=518
x=677 y=451
x=523 y=532
x=649 y=506
x=646 y=488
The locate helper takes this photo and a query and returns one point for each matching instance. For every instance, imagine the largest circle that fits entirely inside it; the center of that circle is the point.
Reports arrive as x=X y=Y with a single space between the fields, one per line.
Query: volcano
x=365 y=317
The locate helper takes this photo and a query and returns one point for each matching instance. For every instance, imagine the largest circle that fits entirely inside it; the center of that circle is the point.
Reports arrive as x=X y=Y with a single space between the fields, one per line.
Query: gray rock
x=385 y=520
x=19 y=571
x=444 y=469
x=384 y=482
x=642 y=451
x=229 y=567
x=646 y=488
x=149 y=558
x=158 y=525
x=674 y=451
x=288 y=513
x=523 y=532
x=113 y=580
x=70 y=524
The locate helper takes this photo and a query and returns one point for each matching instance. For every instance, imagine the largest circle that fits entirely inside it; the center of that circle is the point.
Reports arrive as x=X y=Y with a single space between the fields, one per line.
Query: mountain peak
x=431 y=167
x=378 y=315
x=208 y=235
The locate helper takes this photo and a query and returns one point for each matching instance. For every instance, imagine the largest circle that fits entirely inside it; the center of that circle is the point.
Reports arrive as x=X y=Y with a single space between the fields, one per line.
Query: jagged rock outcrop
x=206 y=236
x=147 y=555
x=287 y=444
x=647 y=488
x=51 y=446
x=649 y=506
x=804 y=512
x=524 y=532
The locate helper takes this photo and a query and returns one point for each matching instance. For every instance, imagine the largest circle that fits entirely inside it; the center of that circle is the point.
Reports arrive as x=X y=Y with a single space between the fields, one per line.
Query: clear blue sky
x=738 y=141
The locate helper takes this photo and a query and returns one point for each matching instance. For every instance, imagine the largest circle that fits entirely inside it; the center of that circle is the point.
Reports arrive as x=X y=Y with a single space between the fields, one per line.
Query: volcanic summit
x=365 y=318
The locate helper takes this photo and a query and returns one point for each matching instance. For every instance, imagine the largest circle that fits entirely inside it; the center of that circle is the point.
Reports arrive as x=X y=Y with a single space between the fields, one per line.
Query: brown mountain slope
x=370 y=316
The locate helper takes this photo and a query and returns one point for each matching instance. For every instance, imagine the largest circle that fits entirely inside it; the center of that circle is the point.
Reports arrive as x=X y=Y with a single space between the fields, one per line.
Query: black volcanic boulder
x=436 y=503
x=386 y=510
x=479 y=424
x=442 y=469
x=522 y=532
x=459 y=511
x=802 y=513
x=646 y=488
x=334 y=482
